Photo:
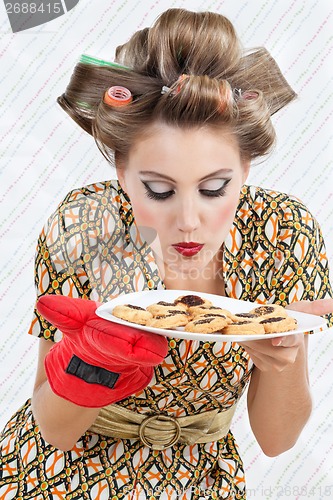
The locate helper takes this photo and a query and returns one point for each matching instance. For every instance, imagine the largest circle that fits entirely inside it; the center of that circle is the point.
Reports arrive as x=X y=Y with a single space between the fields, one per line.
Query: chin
x=188 y=267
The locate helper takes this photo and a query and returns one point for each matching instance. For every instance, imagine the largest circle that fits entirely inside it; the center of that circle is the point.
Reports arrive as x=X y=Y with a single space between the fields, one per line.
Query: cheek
x=223 y=217
x=145 y=216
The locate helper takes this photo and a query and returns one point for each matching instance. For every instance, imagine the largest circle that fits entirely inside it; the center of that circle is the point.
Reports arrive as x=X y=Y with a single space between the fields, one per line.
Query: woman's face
x=184 y=186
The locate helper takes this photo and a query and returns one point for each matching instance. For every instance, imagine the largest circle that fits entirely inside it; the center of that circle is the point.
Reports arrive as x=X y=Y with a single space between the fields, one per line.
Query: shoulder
x=99 y=203
x=260 y=204
x=99 y=194
x=272 y=219
x=85 y=217
x=259 y=199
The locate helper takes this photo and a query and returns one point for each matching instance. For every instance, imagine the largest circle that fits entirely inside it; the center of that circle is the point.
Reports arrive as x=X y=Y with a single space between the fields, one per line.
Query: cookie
x=192 y=300
x=134 y=314
x=161 y=308
x=245 y=317
x=206 y=323
x=169 y=320
x=195 y=311
x=244 y=327
x=269 y=311
x=278 y=324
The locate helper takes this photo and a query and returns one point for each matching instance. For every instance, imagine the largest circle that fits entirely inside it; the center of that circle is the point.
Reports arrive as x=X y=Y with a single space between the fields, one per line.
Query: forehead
x=171 y=147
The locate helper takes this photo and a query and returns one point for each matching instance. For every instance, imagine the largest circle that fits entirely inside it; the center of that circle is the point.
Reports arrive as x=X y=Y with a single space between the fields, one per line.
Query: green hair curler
x=99 y=62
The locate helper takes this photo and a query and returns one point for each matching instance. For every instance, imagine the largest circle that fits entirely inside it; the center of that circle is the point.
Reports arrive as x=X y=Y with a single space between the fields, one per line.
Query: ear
x=246 y=163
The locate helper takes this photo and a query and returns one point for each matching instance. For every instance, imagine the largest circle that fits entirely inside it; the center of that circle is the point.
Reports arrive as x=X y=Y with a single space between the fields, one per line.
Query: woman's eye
x=157 y=191
x=161 y=191
x=215 y=188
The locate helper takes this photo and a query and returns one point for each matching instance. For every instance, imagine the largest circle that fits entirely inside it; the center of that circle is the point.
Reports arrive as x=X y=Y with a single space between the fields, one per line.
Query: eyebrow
x=221 y=171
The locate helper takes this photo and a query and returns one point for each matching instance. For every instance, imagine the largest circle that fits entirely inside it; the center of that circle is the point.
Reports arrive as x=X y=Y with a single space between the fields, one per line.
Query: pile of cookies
x=198 y=315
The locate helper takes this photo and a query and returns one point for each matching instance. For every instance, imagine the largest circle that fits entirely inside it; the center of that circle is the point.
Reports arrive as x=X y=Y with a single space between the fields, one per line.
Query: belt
x=161 y=431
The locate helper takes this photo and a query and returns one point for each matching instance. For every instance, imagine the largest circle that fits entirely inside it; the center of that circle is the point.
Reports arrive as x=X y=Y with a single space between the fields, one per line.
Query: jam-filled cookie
x=206 y=323
x=195 y=311
x=245 y=317
x=134 y=314
x=192 y=300
x=278 y=324
x=169 y=320
x=269 y=311
x=244 y=327
x=162 y=307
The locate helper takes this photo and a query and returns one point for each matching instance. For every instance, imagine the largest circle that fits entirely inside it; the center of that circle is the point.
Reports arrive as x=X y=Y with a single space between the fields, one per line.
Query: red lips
x=188 y=249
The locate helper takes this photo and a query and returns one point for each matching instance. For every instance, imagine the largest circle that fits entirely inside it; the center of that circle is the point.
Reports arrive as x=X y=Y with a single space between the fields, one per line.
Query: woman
x=181 y=115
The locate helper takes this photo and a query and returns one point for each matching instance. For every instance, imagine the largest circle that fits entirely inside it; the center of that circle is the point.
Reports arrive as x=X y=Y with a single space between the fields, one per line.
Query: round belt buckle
x=151 y=443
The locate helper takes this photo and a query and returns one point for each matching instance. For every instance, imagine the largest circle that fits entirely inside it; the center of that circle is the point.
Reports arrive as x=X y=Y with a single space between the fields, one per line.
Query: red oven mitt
x=97 y=362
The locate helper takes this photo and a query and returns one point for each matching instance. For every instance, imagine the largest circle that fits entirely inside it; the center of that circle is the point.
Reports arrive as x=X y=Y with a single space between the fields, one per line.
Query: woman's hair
x=187 y=70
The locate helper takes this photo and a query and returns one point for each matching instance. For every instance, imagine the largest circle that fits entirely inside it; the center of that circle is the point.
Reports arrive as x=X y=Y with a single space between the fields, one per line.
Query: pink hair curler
x=117 y=96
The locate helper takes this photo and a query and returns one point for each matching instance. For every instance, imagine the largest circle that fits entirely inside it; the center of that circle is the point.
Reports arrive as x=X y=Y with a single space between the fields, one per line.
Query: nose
x=188 y=216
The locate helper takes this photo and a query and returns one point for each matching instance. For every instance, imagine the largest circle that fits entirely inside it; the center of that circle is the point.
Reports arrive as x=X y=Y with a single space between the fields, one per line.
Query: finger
x=288 y=340
x=265 y=363
x=318 y=307
x=278 y=341
x=267 y=346
x=281 y=359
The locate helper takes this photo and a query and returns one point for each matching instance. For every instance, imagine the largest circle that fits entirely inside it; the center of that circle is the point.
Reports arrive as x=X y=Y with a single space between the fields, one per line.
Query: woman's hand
x=97 y=362
x=281 y=352
x=318 y=307
x=274 y=354
x=279 y=388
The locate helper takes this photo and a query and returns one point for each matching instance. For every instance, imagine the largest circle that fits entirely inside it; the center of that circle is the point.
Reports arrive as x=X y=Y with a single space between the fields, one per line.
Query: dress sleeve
x=54 y=275
x=85 y=250
x=301 y=264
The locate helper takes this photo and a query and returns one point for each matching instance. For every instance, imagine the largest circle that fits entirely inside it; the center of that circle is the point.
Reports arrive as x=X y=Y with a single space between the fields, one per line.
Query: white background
x=44 y=155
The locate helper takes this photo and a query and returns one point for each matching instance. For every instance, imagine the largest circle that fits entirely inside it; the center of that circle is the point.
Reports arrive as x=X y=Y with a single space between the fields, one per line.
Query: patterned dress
x=91 y=248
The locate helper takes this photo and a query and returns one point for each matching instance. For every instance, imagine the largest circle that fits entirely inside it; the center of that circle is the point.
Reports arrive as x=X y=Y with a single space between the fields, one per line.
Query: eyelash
x=157 y=196
x=206 y=192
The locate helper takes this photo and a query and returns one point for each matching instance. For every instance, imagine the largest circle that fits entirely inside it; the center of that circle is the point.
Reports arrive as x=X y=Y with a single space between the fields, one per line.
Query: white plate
x=305 y=322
